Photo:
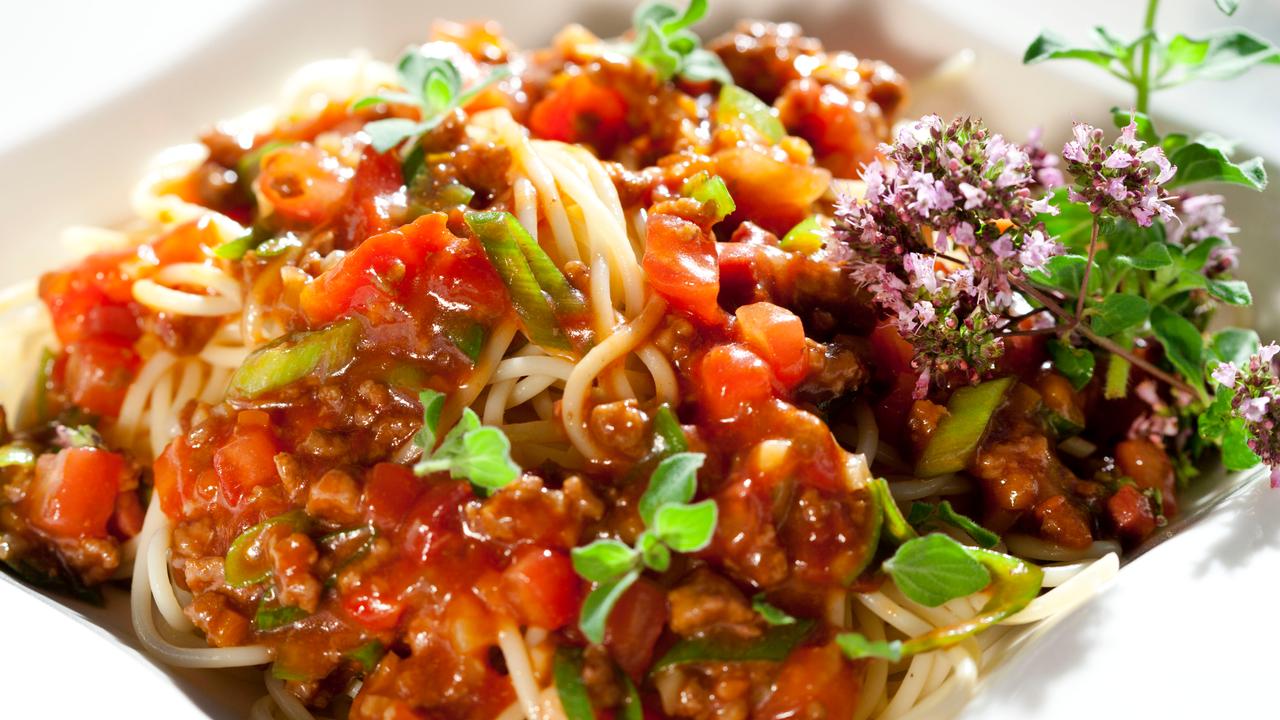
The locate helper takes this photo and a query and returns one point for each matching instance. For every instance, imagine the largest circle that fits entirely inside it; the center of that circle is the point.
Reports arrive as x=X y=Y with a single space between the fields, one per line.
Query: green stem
x=1117 y=384
x=1088 y=266
x=1144 y=79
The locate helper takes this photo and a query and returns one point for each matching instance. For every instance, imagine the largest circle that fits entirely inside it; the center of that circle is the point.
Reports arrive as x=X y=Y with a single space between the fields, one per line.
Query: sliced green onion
x=774 y=645
x=667 y=429
x=15 y=455
x=44 y=373
x=277 y=245
x=250 y=163
x=367 y=655
x=737 y=103
x=955 y=441
x=710 y=189
x=894 y=523
x=270 y=618
x=246 y=563
x=566 y=669
x=469 y=339
x=808 y=236
x=325 y=352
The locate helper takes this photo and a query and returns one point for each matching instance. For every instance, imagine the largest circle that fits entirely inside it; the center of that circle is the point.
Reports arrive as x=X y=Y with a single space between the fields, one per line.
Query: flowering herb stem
x=1144 y=80
x=1103 y=342
x=1084 y=284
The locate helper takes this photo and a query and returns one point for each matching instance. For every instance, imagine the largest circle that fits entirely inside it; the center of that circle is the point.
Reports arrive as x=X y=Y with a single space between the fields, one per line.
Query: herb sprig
x=479 y=453
x=664 y=42
x=672 y=524
x=431 y=84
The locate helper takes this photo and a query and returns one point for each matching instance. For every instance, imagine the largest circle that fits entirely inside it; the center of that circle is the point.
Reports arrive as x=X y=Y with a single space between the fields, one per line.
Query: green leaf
x=772 y=614
x=935 y=569
x=432 y=406
x=367 y=655
x=603 y=560
x=391 y=132
x=1232 y=292
x=1197 y=256
x=600 y=602
x=675 y=480
x=1073 y=224
x=653 y=553
x=1235 y=345
x=856 y=647
x=1051 y=46
x=486 y=461
x=1228 y=7
x=1075 y=363
x=1119 y=312
x=1152 y=257
x=1183 y=344
x=1066 y=273
x=566 y=673
x=1198 y=162
x=1223 y=55
x=686 y=528
x=923 y=513
x=1146 y=130
x=1213 y=423
x=705 y=66
x=1236 y=453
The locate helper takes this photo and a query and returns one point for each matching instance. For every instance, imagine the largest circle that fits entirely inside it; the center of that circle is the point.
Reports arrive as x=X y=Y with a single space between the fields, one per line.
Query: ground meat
x=325 y=444
x=335 y=498
x=716 y=690
x=746 y=539
x=180 y=334
x=841 y=124
x=223 y=626
x=621 y=426
x=600 y=675
x=292 y=558
x=763 y=56
x=292 y=476
x=922 y=421
x=836 y=369
x=527 y=511
x=707 y=603
x=203 y=574
x=95 y=560
x=1062 y=522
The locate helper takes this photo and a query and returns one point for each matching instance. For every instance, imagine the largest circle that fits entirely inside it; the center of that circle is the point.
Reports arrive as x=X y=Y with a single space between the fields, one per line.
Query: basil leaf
x=705 y=66
x=1066 y=273
x=1120 y=312
x=1198 y=162
x=1075 y=363
x=673 y=481
x=1235 y=345
x=432 y=405
x=600 y=602
x=935 y=569
x=1220 y=56
x=1213 y=423
x=856 y=647
x=772 y=614
x=1197 y=256
x=1236 y=453
x=1183 y=344
x=1232 y=292
x=686 y=528
x=603 y=560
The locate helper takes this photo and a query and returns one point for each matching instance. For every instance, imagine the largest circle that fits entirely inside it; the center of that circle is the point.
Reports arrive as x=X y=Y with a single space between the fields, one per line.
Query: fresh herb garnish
x=665 y=43
x=923 y=515
x=431 y=84
x=771 y=613
x=367 y=655
x=935 y=569
x=478 y=453
x=856 y=647
x=673 y=524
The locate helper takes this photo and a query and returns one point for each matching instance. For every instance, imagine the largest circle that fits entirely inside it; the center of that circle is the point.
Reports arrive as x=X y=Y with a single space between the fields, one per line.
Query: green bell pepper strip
x=540 y=293
x=710 y=189
x=327 y=351
x=734 y=103
x=808 y=236
x=955 y=441
x=566 y=669
x=241 y=569
x=774 y=645
x=16 y=455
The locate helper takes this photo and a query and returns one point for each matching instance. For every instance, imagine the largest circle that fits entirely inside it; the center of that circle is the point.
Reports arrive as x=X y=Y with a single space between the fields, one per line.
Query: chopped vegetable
x=14 y=454
x=899 y=529
x=777 y=335
x=710 y=189
x=682 y=266
x=772 y=614
x=247 y=562
x=566 y=670
x=924 y=514
x=955 y=441
x=318 y=353
x=73 y=493
x=808 y=236
x=736 y=104
x=270 y=618
x=774 y=645
x=367 y=655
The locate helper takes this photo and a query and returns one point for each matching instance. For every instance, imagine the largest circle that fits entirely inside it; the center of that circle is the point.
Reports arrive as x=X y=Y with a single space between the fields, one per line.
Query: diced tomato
x=173 y=476
x=582 y=111
x=891 y=354
x=74 y=492
x=128 y=517
x=462 y=277
x=97 y=375
x=367 y=211
x=634 y=625
x=680 y=260
x=77 y=299
x=891 y=357
x=376 y=270
x=389 y=491
x=434 y=520
x=734 y=380
x=302 y=183
x=1131 y=514
x=373 y=602
x=812 y=677
x=543 y=589
x=1148 y=465
x=777 y=335
x=245 y=462
x=187 y=242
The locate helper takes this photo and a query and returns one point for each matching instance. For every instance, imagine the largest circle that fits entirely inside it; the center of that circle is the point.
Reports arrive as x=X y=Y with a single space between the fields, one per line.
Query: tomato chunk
x=389 y=492
x=77 y=298
x=376 y=270
x=777 y=335
x=812 y=677
x=734 y=380
x=681 y=262
x=302 y=183
x=377 y=181
x=582 y=111
x=634 y=626
x=245 y=462
x=1148 y=464
x=543 y=589
x=74 y=492
x=97 y=375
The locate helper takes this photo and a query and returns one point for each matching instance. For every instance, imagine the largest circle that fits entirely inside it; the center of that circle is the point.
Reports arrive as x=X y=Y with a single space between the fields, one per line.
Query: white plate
x=1184 y=627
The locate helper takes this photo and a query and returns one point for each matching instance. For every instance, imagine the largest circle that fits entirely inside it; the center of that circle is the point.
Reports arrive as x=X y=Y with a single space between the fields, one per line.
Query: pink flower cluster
x=1122 y=178
x=1202 y=217
x=1257 y=401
